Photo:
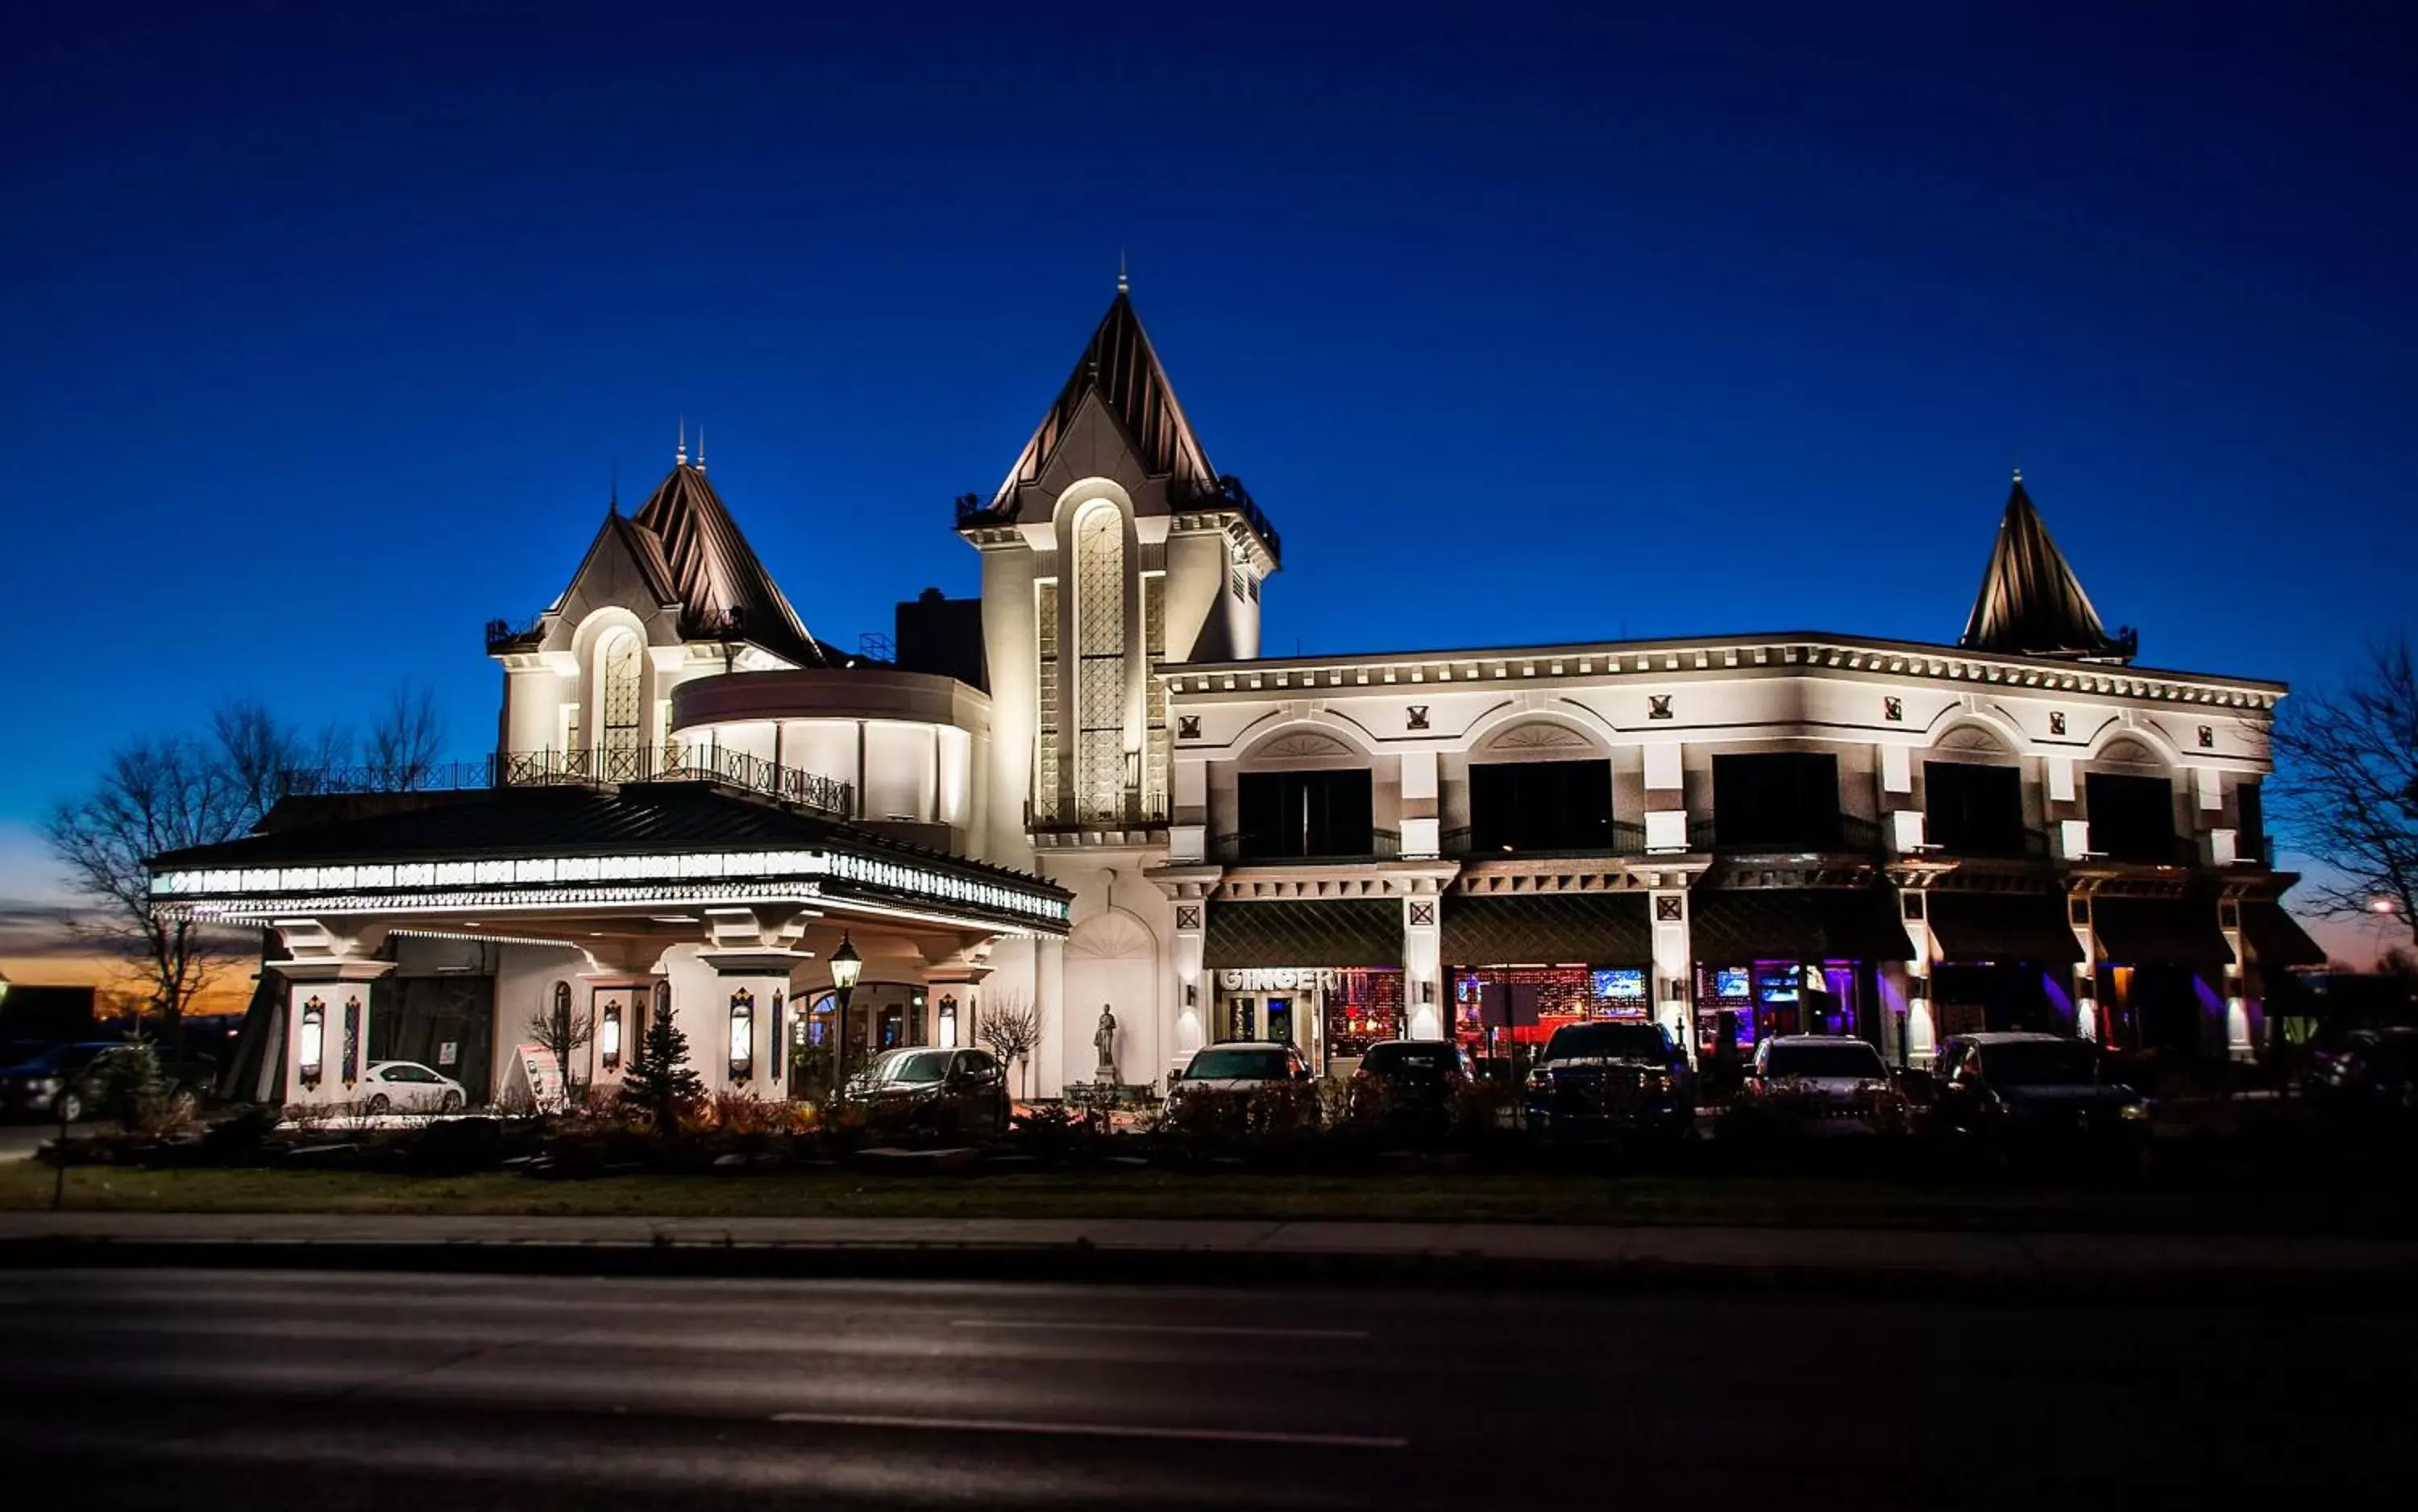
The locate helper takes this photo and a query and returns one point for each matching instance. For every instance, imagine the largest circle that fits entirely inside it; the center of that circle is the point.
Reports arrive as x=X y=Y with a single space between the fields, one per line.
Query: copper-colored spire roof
x=2030 y=602
x=1119 y=365
x=723 y=590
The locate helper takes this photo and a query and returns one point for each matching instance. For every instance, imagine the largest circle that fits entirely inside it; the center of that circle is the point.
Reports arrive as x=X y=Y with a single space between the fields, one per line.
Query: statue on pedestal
x=1104 y=1039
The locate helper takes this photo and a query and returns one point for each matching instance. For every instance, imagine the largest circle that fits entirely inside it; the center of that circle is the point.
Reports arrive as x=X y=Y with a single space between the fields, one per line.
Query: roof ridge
x=716 y=575
x=2030 y=601
x=1119 y=363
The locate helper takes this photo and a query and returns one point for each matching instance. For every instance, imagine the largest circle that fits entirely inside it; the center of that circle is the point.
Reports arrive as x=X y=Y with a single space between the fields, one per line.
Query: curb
x=1084 y=1264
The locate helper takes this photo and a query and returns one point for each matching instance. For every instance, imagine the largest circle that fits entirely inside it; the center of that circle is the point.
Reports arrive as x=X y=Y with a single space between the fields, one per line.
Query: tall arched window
x=1100 y=775
x=618 y=692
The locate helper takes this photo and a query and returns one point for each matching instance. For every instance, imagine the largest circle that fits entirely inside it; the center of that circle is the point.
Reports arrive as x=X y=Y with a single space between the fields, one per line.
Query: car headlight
x=2134 y=1111
x=47 y=1085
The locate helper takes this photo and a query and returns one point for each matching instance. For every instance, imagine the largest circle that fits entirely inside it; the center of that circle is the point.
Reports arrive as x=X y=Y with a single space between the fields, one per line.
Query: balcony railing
x=503 y=636
x=2024 y=845
x=1135 y=811
x=1852 y=836
x=2151 y=850
x=1624 y=839
x=593 y=766
x=1293 y=849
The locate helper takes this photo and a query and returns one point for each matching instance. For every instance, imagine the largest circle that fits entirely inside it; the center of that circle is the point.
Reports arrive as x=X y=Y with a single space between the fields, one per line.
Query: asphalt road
x=206 y=1389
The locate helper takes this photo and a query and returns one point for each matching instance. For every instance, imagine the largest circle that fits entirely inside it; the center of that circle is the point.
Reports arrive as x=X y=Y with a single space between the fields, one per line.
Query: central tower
x=1111 y=548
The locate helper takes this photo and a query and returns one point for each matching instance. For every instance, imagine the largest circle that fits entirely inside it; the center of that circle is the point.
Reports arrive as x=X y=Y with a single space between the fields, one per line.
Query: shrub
x=240 y=1135
x=457 y=1147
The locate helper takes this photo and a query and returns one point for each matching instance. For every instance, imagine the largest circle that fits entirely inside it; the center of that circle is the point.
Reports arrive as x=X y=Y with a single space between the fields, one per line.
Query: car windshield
x=1220 y=1065
x=1828 y=1060
x=1399 y=1060
x=917 y=1068
x=1627 y=1041
x=2041 y=1063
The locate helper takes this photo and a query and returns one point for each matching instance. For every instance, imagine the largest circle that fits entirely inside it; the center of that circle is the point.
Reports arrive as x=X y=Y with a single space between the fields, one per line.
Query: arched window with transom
x=1100 y=774
x=619 y=692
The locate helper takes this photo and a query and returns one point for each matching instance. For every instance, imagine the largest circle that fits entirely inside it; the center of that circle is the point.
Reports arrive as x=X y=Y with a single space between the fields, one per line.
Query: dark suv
x=945 y=1094
x=1408 y=1084
x=1611 y=1078
x=2034 y=1092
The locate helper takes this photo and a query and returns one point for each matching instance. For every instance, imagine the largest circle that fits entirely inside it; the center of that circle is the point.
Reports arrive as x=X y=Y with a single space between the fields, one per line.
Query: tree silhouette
x=659 y=1081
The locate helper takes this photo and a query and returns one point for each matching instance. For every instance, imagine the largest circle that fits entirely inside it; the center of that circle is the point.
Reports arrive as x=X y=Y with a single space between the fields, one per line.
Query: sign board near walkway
x=536 y=1075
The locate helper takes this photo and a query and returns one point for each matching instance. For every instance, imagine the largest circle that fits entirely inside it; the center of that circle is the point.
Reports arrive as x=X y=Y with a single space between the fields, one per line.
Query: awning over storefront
x=1548 y=929
x=2160 y=932
x=1304 y=932
x=2276 y=939
x=1976 y=927
x=1797 y=923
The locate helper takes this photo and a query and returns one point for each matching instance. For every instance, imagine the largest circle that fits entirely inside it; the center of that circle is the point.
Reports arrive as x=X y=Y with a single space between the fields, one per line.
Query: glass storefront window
x=1751 y=1002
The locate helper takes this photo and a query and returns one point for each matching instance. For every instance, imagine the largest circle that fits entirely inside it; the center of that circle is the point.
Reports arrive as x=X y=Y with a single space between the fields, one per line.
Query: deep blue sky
x=323 y=333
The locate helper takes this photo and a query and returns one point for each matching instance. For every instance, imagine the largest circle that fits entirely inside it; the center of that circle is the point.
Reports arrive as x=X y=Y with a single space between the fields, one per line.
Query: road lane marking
x=1198 y=1329
x=1090 y=1430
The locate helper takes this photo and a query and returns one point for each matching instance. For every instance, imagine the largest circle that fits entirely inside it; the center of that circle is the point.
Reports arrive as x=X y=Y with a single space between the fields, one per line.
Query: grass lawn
x=1755 y=1200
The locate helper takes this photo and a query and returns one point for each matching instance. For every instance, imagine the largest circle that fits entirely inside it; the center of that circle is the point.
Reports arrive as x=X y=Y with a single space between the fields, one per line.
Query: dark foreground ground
x=195 y=1390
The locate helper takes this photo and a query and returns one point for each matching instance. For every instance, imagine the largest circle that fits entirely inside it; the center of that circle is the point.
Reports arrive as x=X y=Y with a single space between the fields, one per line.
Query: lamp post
x=846 y=966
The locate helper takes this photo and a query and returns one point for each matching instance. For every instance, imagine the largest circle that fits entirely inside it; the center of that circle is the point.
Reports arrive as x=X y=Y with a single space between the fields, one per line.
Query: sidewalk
x=1296 y=1253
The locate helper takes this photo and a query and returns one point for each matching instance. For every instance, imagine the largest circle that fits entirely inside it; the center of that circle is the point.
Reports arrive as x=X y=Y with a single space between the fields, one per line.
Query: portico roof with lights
x=593 y=851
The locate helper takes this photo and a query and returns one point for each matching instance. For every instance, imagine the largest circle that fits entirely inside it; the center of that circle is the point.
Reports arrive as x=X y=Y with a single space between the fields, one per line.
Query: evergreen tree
x=659 y=1080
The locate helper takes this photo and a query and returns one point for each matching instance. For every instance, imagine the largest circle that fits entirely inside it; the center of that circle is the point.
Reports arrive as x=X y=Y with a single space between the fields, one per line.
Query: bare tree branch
x=2347 y=777
x=401 y=750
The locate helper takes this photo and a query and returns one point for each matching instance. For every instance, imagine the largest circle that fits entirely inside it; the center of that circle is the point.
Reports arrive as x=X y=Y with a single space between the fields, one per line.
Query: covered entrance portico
x=616 y=902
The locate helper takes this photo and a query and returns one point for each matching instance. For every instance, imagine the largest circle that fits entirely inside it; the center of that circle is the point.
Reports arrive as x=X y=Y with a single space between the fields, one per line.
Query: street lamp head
x=845 y=965
x=2380 y=904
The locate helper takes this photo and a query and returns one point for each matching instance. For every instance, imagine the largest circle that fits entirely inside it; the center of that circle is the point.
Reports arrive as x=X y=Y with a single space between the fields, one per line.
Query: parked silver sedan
x=408 y=1087
x=1818 y=1084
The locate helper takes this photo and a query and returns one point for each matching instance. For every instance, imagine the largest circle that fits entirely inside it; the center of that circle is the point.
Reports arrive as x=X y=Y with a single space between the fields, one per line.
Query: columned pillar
x=1049 y=1010
x=1674 y=984
x=1919 y=1040
x=1191 y=920
x=2085 y=976
x=737 y=1043
x=328 y=1029
x=1423 y=959
x=2239 y=1044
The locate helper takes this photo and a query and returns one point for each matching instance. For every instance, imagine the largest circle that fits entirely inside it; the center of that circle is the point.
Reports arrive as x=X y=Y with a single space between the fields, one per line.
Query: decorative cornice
x=1743 y=656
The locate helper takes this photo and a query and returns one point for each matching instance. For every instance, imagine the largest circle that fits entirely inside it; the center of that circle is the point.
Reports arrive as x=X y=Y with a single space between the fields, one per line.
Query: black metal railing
x=1230 y=494
x=676 y=763
x=1623 y=838
x=1845 y=834
x=503 y=636
x=1135 y=811
x=2150 y=850
x=1289 y=849
x=2021 y=845
x=591 y=766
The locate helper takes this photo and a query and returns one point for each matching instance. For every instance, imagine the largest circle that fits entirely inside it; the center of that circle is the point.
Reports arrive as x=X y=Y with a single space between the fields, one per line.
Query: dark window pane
x=1973 y=810
x=1777 y=799
x=2132 y=818
x=1540 y=805
x=1292 y=813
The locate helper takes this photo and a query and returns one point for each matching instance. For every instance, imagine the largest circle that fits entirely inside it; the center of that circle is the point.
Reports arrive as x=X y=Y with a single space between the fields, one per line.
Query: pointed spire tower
x=2030 y=602
x=713 y=574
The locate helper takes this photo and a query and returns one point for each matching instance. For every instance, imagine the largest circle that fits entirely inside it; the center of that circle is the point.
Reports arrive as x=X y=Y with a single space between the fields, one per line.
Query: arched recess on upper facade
x=588 y=644
x=1080 y=495
x=1113 y=934
x=1515 y=734
x=1977 y=734
x=2137 y=746
x=1316 y=742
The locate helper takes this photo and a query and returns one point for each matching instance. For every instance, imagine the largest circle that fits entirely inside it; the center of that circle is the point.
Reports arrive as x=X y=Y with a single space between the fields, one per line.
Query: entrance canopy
x=2276 y=939
x=1304 y=932
x=621 y=858
x=1797 y=923
x=2160 y=932
x=1973 y=928
x=1546 y=928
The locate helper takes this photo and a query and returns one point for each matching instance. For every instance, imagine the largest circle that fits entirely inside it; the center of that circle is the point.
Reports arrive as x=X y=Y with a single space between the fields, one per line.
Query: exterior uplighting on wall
x=314 y=1041
x=743 y=1034
x=947 y=1037
x=608 y=1037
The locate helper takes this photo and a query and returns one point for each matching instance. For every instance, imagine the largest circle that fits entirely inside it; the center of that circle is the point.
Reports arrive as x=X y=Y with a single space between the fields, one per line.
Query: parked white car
x=408 y=1087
